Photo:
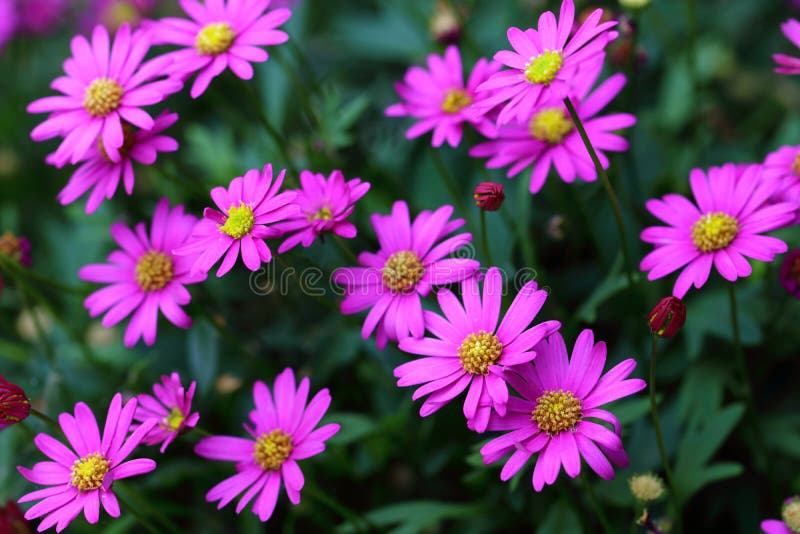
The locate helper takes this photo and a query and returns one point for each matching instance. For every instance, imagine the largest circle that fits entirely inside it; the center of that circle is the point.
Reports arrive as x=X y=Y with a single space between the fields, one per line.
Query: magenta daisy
x=412 y=258
x=281 y=434
x=783 y=166
x=787 y=64
x=790 y=519
x=105 y=85
x=440 y=100
x=721 y=230
x=247 y=209
x=549 y=137
x=470 y=350
x=145 y=276
x=325 y=205
x=560 y=398
x=545 y=63
x=102 y=175
x=220 y=34
x=81 y=476
x=170 y=408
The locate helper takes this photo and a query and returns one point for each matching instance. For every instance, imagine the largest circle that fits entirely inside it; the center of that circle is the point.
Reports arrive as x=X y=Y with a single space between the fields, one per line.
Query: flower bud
x=789 y=275
x=668 y=317
x=489 y=196
x=14 y=405
x=16 y=248
x=646 y=487
x=444 y=24
x=12 y=520
x=791 y=513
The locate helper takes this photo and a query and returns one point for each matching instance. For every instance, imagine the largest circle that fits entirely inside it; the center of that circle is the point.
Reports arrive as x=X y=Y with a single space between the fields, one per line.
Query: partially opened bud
x=668 y=317
x=14 y=405
x=489 y=196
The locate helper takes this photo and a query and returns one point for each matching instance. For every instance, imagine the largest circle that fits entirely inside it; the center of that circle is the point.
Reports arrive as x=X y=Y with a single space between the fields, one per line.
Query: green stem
x=140 y=508
x=737 y=344
x=140 y=518
x=49 y=351
x=46 y=418
x=523 y=224
x=345 y=249
x=359 y=523
x=601 y=515
x=447 y=178
x=657 y=422
x=202 y=431
x=485 y=238
x=612 y=196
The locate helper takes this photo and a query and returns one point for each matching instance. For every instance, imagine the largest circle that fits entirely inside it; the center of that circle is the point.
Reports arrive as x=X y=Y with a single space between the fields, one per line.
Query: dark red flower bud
x=668 y=317
x=489 y=196
x=12 y=520
x=14 y=405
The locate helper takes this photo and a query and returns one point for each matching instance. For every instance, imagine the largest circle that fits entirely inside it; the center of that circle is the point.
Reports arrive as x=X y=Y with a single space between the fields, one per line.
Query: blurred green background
x=325 y=92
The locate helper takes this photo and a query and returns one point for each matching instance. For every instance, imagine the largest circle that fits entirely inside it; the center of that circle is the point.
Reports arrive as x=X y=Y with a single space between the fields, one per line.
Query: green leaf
x=202 y=346
x=559 y=519
x=415 y=516
x=354 y=426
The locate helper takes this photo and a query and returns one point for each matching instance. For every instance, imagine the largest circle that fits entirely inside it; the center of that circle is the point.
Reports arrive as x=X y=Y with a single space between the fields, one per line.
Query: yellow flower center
x=272 y=449
x=791 y=514
x=478 y=351
x=154 y=270
x=550 y=125
x=402 y=271
x=173 y=421
x=88 y=472
x=544 y=67
x=127 y=143
x=324 y=214
x=557 y=411
x=455 y=100
x=103 y=96
x=714 y=231
x=215 y=38
x=796 y=164
x=240 y=221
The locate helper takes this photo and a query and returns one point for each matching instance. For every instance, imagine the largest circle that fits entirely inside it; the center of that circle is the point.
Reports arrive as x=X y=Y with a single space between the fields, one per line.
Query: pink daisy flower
x=246 y=209
x=783 y=166
x=282 y=433
x=721 y=230
x=220 y=34
x=145 y=276
x=787 y=64
x=790 y=519
x=549 y=137
x=440 y=100
x=561 y=396
x=411 y=259
x=325 y=205
x=81 y=476
x=102 y=176
x=545 y=62
x=105 y=85
x=470 y=350
x=170 y=408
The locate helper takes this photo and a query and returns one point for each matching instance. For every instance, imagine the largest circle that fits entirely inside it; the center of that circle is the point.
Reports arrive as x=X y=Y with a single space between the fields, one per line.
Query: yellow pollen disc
x=550 y=125
x=791 y=514
x=324 y=214
x=478 y=351
x=127 y=143
x=215 y=38
x=240 y=221
x=557 y=411
x=88 y=472
x=544 y=67
x=455 y=100
x=103 y=96
x=796 y=164
x=714 y=231
x=173 y=421
x=154 y=270
x=402 y=271
x=272 y=449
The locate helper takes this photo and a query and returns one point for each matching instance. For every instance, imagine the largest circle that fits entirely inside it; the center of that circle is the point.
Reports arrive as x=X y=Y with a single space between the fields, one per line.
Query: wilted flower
x=788 y=64
x=790 y=273
x=646 y=487
x=14 y=405
x=489 y=196
x=790 y=519
x=171 y=407
x=17 y=248
x=668 y=317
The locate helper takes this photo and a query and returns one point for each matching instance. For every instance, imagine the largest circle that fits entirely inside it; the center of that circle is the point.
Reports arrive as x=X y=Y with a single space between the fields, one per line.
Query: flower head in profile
x=721 y=230
x=790 y=273
x=14 y=404
x=412 y=258
x=559 y=415
x=439 y=99
x=788 y=64
x=102 y=176
x=470 y=349
x=324 y=206
x=789 y=523
x=549 y=138
x=282 y=432
x=247 y=212
x=545 y=62
x=171 y=407
x=783 y=168
x=105 y=85
x=145 y=277
x=220 y=34
x=80 y=477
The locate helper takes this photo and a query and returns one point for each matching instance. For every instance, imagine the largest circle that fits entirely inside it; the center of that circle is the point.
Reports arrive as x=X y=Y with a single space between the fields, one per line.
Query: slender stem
x=49 y=351
x=523 y=224
x=150 y=527
x=485 y=238
x=737 y=344
x=202 y=431
x=358 y=522
x=447 y=178
x=601 y=515
x=141 y=509
x=656 y=421
x=345 y=249
x=612 y=196
x=46 y=418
